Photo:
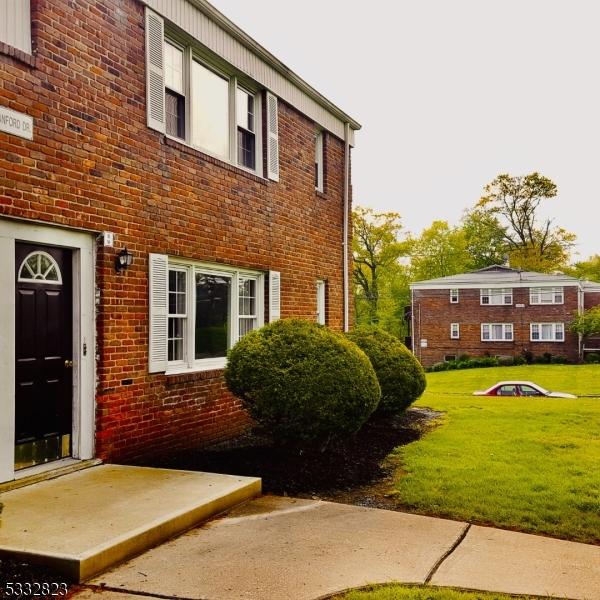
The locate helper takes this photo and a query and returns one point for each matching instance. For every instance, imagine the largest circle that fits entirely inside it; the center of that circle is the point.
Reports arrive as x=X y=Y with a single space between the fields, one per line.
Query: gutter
x=346 y=224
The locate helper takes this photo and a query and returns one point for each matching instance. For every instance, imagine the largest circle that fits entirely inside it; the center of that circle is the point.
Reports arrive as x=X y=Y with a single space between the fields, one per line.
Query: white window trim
x=554 y=328
x=504 y=326
x=454 y=334
x=454 y=296
x=191 y=54
x=190 y=364
x=489 y=292
x=537 y=292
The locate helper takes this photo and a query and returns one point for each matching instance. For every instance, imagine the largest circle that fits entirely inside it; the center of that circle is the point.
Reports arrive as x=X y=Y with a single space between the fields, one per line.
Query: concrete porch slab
x=85 y=522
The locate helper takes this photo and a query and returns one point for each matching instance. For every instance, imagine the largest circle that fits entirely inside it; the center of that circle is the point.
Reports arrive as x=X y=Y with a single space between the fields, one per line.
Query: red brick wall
x=433 y=314
x=94 y=165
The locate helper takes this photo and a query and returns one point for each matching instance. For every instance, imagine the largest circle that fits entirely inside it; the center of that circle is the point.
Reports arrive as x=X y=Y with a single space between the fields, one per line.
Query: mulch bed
x=353 y=471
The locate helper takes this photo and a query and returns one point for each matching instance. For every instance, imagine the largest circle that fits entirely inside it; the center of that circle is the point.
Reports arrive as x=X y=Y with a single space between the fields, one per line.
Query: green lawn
x=398 y=592
x=531 y=464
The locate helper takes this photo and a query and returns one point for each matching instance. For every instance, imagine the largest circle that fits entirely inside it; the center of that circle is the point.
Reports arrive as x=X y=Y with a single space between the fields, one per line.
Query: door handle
x=68 y=364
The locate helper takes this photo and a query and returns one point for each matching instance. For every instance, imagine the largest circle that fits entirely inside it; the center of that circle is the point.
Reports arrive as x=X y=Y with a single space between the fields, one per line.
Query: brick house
x=166 y=185
x=498 y=311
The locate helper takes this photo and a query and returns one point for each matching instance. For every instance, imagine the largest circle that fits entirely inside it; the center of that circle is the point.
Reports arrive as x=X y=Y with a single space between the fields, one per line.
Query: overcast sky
x=450 y=93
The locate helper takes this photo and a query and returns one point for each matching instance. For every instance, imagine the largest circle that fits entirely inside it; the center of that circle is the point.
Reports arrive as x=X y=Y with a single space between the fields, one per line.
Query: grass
x=529 y=464
x=399 y=592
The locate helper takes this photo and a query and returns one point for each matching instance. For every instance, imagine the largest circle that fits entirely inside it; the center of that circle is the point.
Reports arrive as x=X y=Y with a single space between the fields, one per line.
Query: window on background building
x=454 y=296
x=319 y=162
x=553 y=295
x=496 y=296
x=497 y=332
x=455 y=331
x=547 y=332
x=174 y=90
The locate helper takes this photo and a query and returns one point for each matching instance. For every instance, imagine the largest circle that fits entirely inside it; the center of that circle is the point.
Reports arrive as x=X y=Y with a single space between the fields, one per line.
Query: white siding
x=15 y=24
x=193 y=21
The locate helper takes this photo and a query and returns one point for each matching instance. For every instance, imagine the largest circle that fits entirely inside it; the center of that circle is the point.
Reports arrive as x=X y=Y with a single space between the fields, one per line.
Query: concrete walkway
x=285 y=549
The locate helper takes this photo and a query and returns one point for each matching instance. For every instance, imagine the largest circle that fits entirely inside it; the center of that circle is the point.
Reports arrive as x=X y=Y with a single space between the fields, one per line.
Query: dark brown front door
x=44 y=342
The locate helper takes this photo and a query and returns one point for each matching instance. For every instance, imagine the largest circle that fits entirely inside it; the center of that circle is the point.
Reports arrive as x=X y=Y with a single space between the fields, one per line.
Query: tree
x=484 y=239
x=587 y=269
x=532 y=244
x=377 y=248
x=438 y=252
x=587 y=323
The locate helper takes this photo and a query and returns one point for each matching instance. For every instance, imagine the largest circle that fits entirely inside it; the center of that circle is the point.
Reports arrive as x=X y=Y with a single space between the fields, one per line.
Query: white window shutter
x=155 y=75
x=272 y=138
x=158 y=286
x=274 y=296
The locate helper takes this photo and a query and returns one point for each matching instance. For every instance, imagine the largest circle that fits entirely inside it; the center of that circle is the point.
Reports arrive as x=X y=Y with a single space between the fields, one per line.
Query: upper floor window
x=454 y=331
x=547 y=332
x=496 y=296
x=15 y=24
x=552 y=295
x=207 y=104
x=497 y=332
x=246 y=128
x=174 y=90
x=454 y=296
x=319 y=162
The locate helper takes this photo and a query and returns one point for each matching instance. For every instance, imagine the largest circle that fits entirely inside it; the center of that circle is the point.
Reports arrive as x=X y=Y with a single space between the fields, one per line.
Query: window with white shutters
x=199 y=311
x=223 y=107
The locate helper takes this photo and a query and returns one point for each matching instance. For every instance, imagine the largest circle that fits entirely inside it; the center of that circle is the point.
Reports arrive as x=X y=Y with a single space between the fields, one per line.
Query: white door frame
x=84 y=335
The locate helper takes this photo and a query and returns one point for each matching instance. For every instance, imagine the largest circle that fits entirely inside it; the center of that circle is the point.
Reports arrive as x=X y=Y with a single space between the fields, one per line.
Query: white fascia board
x=494 y=285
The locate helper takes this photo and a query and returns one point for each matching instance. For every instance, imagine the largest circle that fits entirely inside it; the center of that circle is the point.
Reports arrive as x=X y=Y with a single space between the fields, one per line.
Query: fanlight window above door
x=40 y=267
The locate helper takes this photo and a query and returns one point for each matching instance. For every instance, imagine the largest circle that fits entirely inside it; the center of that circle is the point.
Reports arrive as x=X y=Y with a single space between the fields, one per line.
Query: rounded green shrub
x=302 y=382
x=400 y=375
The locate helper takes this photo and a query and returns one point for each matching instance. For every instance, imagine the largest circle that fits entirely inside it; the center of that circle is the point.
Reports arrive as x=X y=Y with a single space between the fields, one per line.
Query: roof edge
x=210 y=11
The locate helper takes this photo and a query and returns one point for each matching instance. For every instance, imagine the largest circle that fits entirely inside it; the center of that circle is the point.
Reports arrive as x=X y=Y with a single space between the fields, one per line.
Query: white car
x=520 y=388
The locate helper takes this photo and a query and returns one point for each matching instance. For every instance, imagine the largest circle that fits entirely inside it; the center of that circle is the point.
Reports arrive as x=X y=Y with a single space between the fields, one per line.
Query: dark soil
x=353 y=471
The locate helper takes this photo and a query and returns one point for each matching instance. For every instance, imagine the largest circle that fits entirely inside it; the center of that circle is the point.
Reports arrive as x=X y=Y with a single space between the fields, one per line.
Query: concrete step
x=85 y=522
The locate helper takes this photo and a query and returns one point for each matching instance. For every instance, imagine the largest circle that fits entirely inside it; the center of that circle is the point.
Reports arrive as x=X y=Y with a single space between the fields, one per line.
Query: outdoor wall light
x=123 y=260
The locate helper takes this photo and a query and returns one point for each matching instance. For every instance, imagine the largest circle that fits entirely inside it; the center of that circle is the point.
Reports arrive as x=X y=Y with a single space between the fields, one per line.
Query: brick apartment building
x=499 y=311
x=166 y=185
